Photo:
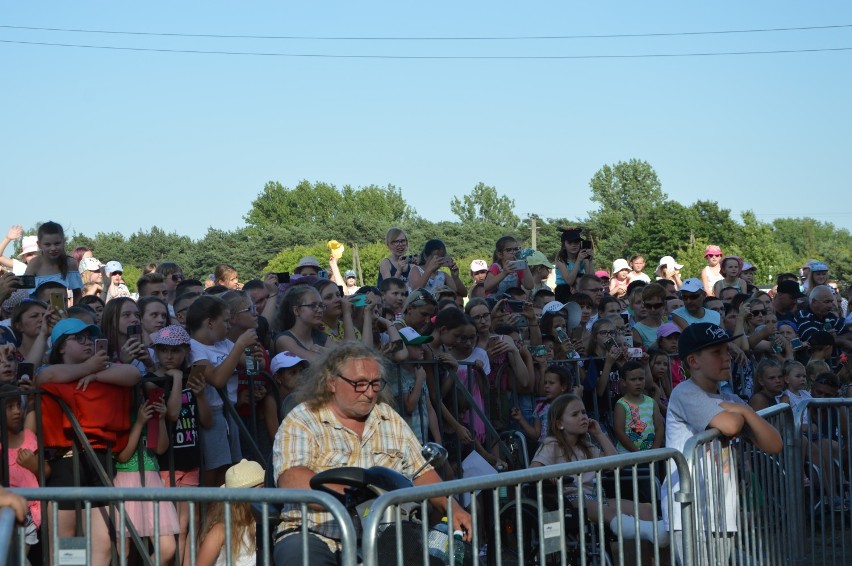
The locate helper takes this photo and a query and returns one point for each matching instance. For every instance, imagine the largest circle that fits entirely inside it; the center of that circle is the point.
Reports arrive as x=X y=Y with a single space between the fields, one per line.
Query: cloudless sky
x=119 y=140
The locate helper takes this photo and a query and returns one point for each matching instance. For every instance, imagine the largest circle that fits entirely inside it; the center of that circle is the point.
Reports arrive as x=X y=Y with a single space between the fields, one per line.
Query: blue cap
x=68 y=326
x=818 y=266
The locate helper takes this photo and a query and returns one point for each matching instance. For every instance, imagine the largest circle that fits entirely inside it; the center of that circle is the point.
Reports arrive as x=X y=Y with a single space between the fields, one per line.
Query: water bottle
x=251 y=363
x=458 y=548
x=439 y=544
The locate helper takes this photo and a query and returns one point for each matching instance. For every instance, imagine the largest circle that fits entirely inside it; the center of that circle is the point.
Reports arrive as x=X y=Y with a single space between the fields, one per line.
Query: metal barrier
x=517 y=516
x=823 y=426
x=7 y=527
x=262 y=501
x=747 y=507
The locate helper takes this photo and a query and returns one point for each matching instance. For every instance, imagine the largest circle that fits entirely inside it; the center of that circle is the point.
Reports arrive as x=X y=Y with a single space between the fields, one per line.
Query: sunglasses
x=654 y=306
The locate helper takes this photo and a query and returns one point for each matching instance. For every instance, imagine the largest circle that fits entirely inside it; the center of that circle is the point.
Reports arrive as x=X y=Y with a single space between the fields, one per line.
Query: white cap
x=478 y=265
x=670 y=261
x=285 y=360
x=90 y=264
x=552 y=306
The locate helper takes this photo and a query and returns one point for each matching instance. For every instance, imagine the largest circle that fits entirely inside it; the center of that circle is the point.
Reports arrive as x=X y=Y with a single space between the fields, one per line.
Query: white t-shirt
x=18 y=267
x=709 y=316
x=690 y=411
x=215 y=354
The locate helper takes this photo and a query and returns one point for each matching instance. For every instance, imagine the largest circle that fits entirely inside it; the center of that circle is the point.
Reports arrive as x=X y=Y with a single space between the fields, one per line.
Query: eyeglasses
x=362 y=386
x=399 y=242
x=314 y=306
x=81 y=338
x=610 y=333
x=654 y=306
x=481 y=317
x=512 y=250
x=253 y=309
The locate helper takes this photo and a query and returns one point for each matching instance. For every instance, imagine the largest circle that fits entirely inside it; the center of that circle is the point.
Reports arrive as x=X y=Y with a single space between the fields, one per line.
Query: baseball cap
x=712 y=250
x=790 y=288
x=172 y=335
x=619 y=265
x=701 y=335
x=29 y=245
x=443 y=290
x=692 y=285
x=821 y=338
x=538 y=258
x=112 y=267
x=413 y=338
x=748 y=267
x=478 y=265
x=420 y=296
x=667 y=329
x=552 y=306
x=68 y=326
x=571 y=234
x=602 y=274
x=819 y=266
x=349 y=273
x=90 y=264
x=285 y=360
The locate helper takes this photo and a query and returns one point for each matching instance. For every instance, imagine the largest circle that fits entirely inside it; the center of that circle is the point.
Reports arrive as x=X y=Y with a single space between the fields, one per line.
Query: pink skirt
x=141 y=513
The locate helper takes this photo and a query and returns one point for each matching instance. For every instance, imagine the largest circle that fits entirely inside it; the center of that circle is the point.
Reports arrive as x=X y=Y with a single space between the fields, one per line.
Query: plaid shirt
x=317 y=440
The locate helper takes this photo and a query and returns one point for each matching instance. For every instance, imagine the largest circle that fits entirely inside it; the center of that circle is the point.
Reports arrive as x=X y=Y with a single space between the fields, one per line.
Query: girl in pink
x=23 y=462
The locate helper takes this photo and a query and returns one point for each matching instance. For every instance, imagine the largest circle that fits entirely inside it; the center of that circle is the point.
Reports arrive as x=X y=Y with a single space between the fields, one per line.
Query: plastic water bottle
x=251 y=363
x=439 y=544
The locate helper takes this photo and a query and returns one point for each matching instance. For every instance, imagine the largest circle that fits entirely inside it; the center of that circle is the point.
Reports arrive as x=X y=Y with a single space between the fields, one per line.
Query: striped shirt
x=317 y=440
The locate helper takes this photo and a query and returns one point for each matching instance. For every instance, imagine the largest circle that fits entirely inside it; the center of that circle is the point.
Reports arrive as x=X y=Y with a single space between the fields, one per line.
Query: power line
x=424 y=57
x=428 y=38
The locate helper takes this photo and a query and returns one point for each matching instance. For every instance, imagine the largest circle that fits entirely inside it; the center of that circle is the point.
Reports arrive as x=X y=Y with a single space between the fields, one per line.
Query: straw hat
x=244 y=474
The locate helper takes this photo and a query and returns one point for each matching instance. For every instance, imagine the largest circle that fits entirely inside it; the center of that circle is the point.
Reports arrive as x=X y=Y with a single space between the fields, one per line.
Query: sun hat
x=478 y=265
x=701 y=335
x=307 y=261
x=669 y=261
x=112 y=267
x=620 y=265
x=68 y=326
x=245 y=474
x=667 y=329
x=285 y=360
x=413 y=338
x=29 y=245
x=571 y=311
x=90 y=264
x=712 y=250
x=538 y=258
x=172 y=335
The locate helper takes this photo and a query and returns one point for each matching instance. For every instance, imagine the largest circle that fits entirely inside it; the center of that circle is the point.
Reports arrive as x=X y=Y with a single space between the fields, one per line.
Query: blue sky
x=109 y=140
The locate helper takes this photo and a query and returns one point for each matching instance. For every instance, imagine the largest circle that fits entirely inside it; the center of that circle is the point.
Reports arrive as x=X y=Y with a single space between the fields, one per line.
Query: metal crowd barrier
x=518 y=516
x=262 y=500
x=748 y=508
x=824 y=425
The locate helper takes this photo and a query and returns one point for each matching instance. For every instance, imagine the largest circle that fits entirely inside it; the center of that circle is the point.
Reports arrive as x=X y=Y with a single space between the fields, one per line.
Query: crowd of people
x=581 y=360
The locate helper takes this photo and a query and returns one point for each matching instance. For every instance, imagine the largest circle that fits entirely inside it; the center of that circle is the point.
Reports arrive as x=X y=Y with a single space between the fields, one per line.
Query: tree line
x=634 y=215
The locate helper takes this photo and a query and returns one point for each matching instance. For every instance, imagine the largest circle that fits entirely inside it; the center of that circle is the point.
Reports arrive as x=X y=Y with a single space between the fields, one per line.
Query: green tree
x=484 y=205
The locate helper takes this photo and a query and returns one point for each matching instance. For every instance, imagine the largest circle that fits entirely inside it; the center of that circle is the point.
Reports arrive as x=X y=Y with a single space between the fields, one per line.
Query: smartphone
x=25 y=372
x=577 y=334
x=585 y=244
x=796 y=344
x=514 y=306
x=134 y=330
x=609 y=344
x=58 y=304
x=27 y=282
x=283 y=277
x=101 y=345
x=322 y=274
x=628 y=340
x=634 y=352
x=359 y=300
x=520 y=264
x=197 y=371
x=537 y=350
x=560 y=334
x=625 y=317
x=155 y=396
